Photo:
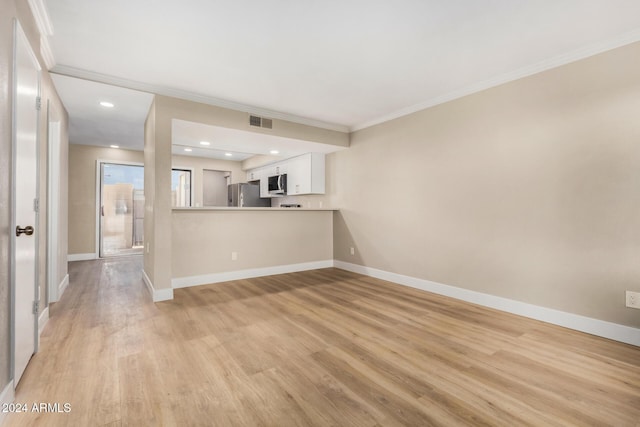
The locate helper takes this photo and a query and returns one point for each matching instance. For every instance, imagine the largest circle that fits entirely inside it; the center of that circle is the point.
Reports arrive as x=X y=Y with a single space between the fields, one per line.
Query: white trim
x=589 y=325
x=63 y=286
x=47 y=53
x=41 y=16
x=184 y=282
x=42 y=320
x=7 y=396
x=557 y=61
x=190 y=96
x=157 y=294
x=45 y=28
x=82 y=257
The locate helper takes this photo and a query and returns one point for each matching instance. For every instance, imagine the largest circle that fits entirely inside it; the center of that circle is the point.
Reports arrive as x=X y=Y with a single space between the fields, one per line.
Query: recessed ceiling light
x=188 y=149
x=274 y=152
x=107 y=104
x=205 y=143
x=115 y=146
x=228 y=154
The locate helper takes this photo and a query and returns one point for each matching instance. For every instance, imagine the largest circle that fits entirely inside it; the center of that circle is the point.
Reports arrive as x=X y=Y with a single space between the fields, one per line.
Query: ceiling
x=92 y=124
x=342 y=65
x=122 y=125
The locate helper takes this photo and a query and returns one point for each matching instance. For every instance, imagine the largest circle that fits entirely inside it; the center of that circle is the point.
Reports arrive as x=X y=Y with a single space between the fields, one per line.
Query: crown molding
x=41 y=17
x=45 y=27
x=557 y=61
x=47 y=54
x=191 y=96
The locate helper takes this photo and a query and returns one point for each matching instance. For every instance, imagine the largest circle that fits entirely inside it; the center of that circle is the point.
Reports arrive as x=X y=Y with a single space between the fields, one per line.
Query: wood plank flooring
x=318 y=348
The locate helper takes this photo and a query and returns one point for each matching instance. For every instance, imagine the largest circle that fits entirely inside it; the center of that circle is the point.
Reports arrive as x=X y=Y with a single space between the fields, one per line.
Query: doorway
x=214 y=187
x=121 y=209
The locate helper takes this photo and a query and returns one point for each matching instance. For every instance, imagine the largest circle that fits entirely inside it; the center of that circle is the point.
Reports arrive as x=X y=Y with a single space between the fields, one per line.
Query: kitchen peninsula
x=248 y=239
x=186 y=247
x=215 y=244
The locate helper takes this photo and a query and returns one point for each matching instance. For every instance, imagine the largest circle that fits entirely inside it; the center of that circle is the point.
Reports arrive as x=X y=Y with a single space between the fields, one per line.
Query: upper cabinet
x=305 y=174
x=254 y=174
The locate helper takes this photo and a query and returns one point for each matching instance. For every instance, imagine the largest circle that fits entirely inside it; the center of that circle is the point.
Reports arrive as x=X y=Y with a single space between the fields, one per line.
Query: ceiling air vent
x=260 y=122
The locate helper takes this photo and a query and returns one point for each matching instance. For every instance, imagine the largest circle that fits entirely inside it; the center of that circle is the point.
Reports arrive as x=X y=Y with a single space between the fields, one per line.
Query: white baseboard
x=82 y=257
x=157 y=294
x=614 y=331
x=63 y=286
x=6 y=397
x=42 y=320
x=184 y=282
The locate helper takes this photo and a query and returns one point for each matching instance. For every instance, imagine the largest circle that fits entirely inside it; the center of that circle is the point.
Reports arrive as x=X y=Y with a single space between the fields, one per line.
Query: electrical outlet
x=234 y=256
x=353 y=251
x=633 y=299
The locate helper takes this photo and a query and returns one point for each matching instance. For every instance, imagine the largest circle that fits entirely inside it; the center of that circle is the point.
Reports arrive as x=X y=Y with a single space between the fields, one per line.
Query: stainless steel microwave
x=278 y=184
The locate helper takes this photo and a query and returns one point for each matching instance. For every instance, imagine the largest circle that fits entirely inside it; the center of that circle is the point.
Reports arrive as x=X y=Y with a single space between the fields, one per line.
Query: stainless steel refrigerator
x=246 y=195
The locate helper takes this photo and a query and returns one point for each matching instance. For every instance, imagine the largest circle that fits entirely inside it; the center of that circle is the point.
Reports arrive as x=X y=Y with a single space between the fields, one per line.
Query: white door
x=25 y=172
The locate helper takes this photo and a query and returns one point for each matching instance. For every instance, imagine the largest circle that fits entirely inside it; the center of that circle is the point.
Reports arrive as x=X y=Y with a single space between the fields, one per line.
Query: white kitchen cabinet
x=305 y=174
x=260 y=174
x=264 y=186
x=280 y=168
x=253 y=175
x=265 y=172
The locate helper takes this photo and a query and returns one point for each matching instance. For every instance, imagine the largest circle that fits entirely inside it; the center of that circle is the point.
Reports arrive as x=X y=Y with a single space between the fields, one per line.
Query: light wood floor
x=326 y=347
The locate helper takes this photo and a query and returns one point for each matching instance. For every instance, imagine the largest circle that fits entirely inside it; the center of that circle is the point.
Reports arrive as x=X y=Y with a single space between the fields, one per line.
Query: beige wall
x=157 y=183
x=300 y=236
x=233 y=119
x=20 y=10
x=529 y=191
x=82 y=191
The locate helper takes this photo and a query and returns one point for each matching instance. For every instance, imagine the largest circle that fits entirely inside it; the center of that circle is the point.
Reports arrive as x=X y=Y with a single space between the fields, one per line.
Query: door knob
x=28 y=230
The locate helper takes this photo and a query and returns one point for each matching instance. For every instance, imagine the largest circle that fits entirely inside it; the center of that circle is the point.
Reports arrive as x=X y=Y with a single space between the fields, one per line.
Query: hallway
x=322 y=347
x=100 y=319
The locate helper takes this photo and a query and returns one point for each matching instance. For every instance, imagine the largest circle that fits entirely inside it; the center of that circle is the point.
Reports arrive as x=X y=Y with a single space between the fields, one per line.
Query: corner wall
x=528 y=191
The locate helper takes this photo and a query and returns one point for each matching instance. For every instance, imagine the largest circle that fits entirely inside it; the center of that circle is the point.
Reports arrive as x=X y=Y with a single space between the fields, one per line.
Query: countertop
x=227 y=208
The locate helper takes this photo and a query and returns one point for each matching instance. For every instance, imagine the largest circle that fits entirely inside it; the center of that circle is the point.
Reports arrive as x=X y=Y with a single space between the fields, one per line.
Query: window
x=181 y=188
